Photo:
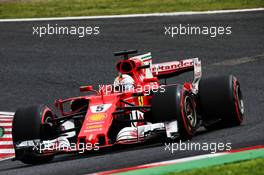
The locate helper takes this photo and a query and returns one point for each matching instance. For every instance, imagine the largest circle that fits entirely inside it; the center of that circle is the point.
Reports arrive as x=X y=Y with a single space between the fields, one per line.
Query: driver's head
x=124 y=82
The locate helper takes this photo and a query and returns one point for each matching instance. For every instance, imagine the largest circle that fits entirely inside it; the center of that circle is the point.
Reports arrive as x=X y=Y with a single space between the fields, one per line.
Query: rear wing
x=173 y=68
x=166 y=69
x=169 y=69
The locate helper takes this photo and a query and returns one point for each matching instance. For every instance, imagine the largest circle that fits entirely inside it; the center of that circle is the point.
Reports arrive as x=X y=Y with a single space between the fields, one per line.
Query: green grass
x=252 y=167
x=55 y=8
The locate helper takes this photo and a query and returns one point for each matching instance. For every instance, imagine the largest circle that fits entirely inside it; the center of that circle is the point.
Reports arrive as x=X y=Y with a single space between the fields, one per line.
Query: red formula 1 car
x=137 y=107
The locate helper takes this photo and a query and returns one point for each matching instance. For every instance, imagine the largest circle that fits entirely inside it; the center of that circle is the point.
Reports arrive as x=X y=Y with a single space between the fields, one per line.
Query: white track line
x=6 y=117
x=7 y=114
x=7 y=130
x=6 y=143
x=238 y=61
x=5 y=124
x=7 y=136
x=7 y=151
x=186 y=159
x=132 y=15
x=5 y=120
x=156 y=164
x=8 y=158
x=181 y=160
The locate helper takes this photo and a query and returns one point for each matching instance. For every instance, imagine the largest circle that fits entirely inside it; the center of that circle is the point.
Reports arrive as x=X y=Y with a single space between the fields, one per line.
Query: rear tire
x=27 y=125
x=221 y=100
x=175 y=104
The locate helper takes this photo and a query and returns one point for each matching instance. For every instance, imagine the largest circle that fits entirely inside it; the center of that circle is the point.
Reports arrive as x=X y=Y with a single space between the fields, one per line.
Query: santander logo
x=173 y=65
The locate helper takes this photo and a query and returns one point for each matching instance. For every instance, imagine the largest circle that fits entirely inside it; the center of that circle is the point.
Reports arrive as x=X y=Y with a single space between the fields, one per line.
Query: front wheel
x=30 y=124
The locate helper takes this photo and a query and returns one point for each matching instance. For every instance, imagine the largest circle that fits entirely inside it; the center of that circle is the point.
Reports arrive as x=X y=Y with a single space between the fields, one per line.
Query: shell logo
x=97 y=117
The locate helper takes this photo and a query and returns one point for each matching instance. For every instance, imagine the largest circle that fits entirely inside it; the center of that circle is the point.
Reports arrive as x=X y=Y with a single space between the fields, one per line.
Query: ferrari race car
x=136 y=108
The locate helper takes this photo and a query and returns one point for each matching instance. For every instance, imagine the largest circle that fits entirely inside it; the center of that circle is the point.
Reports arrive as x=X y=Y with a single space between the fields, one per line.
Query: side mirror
x=57 y=103
x=86 y=88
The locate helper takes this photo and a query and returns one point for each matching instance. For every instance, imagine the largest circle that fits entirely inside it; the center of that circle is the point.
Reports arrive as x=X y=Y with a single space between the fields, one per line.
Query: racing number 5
x=99 y=108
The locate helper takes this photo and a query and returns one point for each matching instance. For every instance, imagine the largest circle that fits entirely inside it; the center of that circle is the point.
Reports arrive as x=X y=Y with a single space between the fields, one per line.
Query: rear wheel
x=30 y=124
x=175 y=104
x=221 y=100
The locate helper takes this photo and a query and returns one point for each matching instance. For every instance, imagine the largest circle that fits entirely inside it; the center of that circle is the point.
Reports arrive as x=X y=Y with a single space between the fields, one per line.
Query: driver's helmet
x=123 y=83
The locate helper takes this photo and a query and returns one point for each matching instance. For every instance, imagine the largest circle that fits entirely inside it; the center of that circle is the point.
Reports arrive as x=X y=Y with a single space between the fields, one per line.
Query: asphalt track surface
x=37 y=70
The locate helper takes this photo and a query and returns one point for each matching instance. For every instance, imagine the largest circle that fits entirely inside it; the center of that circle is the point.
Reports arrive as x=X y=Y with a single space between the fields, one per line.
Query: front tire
x=28 y=125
